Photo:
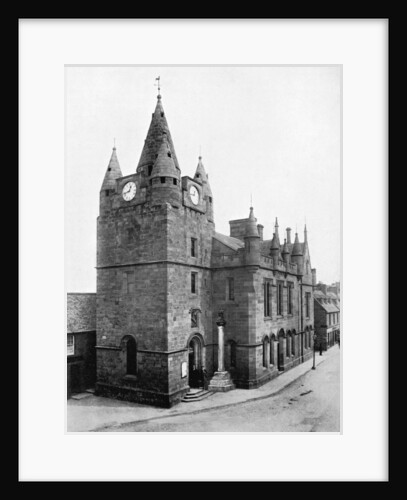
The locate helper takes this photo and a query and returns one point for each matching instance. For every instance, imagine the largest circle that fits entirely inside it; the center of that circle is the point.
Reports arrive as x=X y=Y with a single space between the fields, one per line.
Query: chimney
x=260 y=229
x=288 y=235
x=314 y=276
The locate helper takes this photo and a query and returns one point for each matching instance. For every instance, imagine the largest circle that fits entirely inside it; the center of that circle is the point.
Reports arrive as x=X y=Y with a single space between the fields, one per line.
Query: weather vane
x=158 y=84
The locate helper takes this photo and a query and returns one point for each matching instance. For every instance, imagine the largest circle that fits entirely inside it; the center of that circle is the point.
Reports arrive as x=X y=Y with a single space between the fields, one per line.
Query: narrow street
x=310 y=404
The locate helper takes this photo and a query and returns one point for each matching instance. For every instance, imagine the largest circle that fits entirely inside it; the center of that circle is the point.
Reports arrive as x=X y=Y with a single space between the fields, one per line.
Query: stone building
x=175 y=297
x=327 y=315
x=81 y=341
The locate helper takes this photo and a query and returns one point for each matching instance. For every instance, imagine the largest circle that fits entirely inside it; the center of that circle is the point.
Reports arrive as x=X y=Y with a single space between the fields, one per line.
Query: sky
x=268 y=135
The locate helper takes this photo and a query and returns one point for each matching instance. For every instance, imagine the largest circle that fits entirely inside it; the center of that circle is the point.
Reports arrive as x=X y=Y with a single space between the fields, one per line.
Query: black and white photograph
x=203 y=250
x=203 y=259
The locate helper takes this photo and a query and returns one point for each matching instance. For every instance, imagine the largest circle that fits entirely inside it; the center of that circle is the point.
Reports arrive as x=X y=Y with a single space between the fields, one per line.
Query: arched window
x=293 y=344
x=266 y=352
x=131 y=356
x=272 y=349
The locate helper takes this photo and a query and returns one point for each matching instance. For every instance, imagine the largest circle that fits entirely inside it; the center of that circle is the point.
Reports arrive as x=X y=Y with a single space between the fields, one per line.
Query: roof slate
x=230 y=242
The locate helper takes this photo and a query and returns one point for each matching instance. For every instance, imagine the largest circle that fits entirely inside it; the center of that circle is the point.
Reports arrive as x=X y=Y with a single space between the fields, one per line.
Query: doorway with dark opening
x=195 y=363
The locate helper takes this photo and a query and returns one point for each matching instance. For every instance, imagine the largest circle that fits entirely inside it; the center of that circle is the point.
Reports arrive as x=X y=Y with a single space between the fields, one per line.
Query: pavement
x=90 y=413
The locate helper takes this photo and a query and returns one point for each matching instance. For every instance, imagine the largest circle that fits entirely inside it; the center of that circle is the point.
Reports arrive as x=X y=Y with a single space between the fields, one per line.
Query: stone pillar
x=221 y=381
x=221 y=347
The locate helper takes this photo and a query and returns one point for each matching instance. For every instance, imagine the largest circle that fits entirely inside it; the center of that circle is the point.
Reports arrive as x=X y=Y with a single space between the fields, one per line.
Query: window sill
x=267 y=318
x=130 y=377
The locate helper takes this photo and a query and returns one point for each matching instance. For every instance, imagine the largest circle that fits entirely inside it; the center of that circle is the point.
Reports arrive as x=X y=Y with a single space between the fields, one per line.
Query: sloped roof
x=230 y=242
x=329 y=307
x=81 y=312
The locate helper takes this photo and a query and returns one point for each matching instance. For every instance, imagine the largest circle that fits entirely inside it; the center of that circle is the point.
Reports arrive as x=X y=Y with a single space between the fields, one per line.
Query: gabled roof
x=230 y=242
x=154 y=138
x=81 y=312
x=328 y=307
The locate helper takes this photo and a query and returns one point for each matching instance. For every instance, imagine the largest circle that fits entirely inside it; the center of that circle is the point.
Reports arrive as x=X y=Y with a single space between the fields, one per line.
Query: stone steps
x=196 y=395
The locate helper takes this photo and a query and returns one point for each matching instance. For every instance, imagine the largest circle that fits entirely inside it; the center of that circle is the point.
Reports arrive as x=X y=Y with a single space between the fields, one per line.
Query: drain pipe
x=301 y=319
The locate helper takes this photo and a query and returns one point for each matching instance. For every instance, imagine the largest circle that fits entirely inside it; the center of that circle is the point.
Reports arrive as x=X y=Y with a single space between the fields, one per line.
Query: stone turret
x=165 y=177
x=286 y=253
x=113 y=172
x=297 y=255
x=275 y=245
x=202 y=177
x=252 y=240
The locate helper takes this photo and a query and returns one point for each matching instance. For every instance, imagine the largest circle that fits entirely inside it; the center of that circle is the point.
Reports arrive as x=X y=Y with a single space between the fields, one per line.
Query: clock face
x=194 y=194
x=129 y=191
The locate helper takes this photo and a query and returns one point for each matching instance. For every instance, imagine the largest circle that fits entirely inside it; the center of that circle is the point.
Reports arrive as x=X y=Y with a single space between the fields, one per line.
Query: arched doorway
x=129 y=345
x=281 y=350
x=272 y=349
x=195 y=362
x=266 y=352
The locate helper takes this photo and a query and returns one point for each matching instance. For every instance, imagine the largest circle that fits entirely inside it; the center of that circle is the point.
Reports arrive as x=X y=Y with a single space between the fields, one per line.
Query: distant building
x=81 y=341
x=327 y=315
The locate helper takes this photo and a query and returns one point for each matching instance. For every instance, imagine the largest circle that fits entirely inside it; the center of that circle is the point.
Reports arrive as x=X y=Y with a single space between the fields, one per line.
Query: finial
x=114 y=142
x=159 y=86
x=251 y=200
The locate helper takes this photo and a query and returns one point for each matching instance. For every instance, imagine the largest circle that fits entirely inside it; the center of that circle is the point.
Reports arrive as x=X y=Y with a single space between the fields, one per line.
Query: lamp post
x=314 y=338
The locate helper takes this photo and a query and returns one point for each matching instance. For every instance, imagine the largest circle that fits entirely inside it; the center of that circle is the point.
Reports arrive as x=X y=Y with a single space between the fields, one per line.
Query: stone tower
x=154 y=241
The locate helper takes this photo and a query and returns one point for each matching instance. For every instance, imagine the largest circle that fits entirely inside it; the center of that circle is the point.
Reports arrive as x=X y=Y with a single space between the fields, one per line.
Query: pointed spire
x=251 y=226
x=113 y=172
x=305 y=234
x=297 y=250
x=164 y=165
x=201 y=176
x=200 y=173
x=276 y=233
x=153 y=140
